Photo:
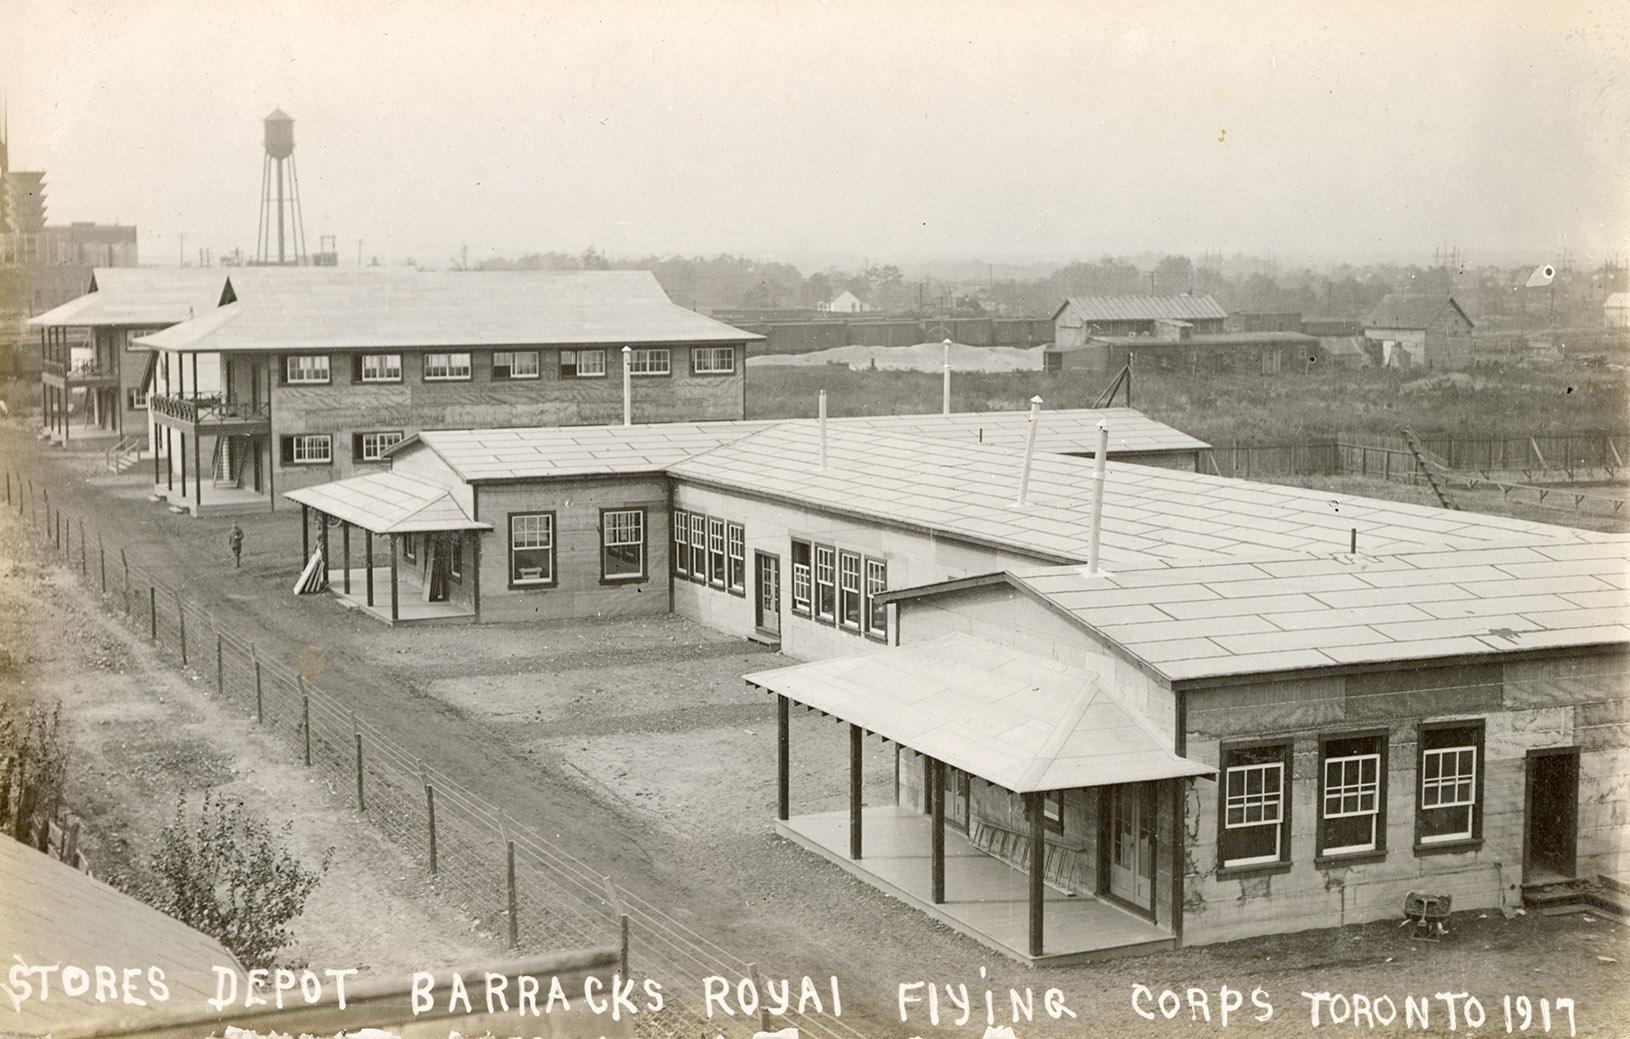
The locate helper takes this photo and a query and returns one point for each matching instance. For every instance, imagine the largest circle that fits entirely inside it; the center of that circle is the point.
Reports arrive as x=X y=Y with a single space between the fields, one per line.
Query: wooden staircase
x=1604 y=895
x=124 y=454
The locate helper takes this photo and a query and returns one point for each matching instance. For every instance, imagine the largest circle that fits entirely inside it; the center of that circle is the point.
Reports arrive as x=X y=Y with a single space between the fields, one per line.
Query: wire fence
x=506 y=876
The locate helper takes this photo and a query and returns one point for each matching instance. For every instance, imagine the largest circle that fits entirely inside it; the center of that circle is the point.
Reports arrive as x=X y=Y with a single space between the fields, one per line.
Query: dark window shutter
x=356 y=447
x=282 y=369
x=356 y=367
x=286 y=448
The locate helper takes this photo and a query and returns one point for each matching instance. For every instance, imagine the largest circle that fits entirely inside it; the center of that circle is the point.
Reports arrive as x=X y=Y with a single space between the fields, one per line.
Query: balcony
x=84 y=373
x=211 y=415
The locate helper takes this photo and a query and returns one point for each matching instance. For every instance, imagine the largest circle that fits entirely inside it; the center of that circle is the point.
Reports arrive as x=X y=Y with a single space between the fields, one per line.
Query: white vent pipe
x=1029 y=451
x=823 y=429
x=628 y=386
x=945 y=403
x=1098 y=479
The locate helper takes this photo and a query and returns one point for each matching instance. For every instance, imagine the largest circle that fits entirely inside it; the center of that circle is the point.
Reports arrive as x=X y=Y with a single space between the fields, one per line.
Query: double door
x=1133 y=819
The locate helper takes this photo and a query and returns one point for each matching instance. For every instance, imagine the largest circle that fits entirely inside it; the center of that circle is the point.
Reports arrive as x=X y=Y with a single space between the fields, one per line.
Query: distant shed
x=1420 y=330
x=1178 y=348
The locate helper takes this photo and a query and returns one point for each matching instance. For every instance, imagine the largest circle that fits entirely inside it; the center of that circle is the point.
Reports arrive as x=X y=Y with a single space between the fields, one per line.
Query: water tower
x=280 y=198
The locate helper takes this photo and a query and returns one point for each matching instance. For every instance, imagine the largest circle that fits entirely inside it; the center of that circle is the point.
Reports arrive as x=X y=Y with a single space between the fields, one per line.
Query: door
x=957 y=790
x=1552 y=804
x=767 y=593
x=1132 y=820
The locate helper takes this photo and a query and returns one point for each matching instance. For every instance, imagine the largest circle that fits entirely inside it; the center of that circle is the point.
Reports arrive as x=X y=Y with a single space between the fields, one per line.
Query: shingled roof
x=1401 y=310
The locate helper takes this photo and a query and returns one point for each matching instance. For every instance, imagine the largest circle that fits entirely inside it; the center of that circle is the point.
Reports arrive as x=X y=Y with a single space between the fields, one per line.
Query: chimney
x=1029 y=453
x=1098 y=478
x=945 y=405
x=628 y=387
x=823 y=429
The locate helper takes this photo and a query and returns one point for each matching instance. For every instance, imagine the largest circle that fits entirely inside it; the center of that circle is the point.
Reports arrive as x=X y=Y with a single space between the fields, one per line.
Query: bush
x=232 y=878
x=33 y=767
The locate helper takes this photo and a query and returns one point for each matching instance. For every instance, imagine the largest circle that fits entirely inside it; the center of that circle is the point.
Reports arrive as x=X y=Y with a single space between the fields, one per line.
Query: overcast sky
x=838 y=131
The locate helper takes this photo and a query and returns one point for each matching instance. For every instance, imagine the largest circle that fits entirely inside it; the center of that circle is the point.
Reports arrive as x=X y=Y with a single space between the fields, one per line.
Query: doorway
x=767 y=593
x=1130 y=848
x=1551 y=814
x=958 y=793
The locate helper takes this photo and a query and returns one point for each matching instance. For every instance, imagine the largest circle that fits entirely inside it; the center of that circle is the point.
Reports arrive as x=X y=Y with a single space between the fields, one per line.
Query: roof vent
x=822 y=406
x=1099 y=476
x=1029 y=452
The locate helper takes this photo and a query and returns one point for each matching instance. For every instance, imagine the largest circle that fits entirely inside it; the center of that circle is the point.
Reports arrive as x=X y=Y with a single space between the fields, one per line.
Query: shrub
x=33 y=767
x=231 y=877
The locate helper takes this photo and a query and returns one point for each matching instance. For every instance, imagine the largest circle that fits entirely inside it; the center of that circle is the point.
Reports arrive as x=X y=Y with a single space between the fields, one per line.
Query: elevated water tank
x=279 y=134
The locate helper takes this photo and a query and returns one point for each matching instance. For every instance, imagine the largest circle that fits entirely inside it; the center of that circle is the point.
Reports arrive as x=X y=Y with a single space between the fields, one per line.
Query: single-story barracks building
x=1265 y=709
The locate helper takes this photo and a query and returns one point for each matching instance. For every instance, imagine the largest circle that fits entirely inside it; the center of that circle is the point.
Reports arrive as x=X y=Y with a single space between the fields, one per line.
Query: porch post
x=475 y=571
x=183 y=437
x=936 y=794
x=322 y=541
x=783 y=755
x=395 y=612
x=169 y=460
x=1038 y=859
x=368 y=554
x=345 y=548
x=854 y=791
x=305 y=534
x=197 y=469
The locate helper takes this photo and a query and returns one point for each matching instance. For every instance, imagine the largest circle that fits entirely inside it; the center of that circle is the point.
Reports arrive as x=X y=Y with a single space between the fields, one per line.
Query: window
x=307 y=449
x=1450 y=768
x=379 y=367
x=1052 y=811
x=622 y=540
x=877 y=614
x=135 y=399
x=371 y=447
x=521 y=364
x=849 y=594
x=582 y=364
x=1253 y=825
x=1351 y=795
x=801 y=588
x=825 y=583
x=736 y=561
x=305 y=369
x=531 y=549
x=698 y=547
x=681 y=549
x=445 y=367
x=648 y=361
x=715 y=552
x=713 y=360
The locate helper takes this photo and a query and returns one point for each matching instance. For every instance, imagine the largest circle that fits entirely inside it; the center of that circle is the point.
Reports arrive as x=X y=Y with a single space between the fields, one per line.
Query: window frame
x=359 y=451
x=649 y=354
x=576 y=366
x=716 y=535
x=1284 y=749
x=553 y=550
x=735 y=559
x=697 y=352
x=288 y=370
x=808 y=567
x=679 y=535
x=1425 y=845
x=644 y=546
x=698 y=548
x=292 y=456
x=510 y=374
x=854 y=625
x=362 y=369
x=469 y=367
x=875 y=629
x=831 y=584
x=1377 y=848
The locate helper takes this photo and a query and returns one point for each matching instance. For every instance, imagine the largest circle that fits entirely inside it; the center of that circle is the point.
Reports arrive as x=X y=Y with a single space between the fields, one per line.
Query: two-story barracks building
x=322 y=371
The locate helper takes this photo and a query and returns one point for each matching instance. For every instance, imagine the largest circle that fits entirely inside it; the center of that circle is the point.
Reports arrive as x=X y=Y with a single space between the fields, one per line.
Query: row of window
x=532 y=547
x=838 y=587
x=1253 y=827
x=315 y=370
x=710 y=551
x=318 y=448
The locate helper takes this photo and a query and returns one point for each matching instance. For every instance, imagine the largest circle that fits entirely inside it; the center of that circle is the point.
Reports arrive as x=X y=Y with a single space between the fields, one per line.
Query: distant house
x=1424 y=330
x=1176 y=346
x=1081 y=317
x=846 y=303
x=1265 y=321
x=1616 y=310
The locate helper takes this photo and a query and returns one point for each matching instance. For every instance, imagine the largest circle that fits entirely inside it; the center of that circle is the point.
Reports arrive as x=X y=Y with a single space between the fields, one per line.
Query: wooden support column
x=183 y=466
x=305 y=534
x=169 y=460
x=475 y=572
x=854 y=791
x=368 y=561
x=395 y=609
x=197 y=471
x=345 y=551
x=322 y=541
x=1038 y=860
x=783 y=757
x=936 y=794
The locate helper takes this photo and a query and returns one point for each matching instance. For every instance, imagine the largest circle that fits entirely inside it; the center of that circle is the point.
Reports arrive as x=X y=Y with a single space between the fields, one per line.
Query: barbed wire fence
x=505 y=875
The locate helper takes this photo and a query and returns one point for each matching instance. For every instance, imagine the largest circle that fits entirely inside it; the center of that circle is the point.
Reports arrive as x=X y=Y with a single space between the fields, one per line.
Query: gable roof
x=138 y=296
x=1021 y=721
x=1142 y=308
x=274 y=309
x=1403 y=310
x=388 y=503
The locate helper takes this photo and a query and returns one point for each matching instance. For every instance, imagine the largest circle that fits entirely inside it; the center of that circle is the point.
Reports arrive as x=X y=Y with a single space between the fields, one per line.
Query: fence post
x=260 y=704
x=1386 y=465
x=616 y=905
x=430 y=812
x=83 y=563
x=181 y=617
x=220 y=667
x=102 y=562
x=152 y=611
x=125 y=562
x=362 y=802
x=305 y=714
x=514 y=916
x=763 y=1011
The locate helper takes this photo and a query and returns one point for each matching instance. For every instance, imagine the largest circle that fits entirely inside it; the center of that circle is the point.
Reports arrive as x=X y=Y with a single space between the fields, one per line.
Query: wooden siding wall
x=1579 y=700
x=578 y=591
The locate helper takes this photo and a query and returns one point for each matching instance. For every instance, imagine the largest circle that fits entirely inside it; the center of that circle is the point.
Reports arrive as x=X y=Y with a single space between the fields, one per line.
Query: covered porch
x=1032 y=730
x=415 y=573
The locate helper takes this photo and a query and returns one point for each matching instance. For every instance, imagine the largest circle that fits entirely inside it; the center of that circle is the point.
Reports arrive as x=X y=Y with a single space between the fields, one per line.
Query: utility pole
x=181 y=250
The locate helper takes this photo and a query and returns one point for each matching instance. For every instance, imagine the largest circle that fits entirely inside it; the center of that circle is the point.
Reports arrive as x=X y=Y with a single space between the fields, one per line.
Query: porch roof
x=1020 y=721
x=388 y=503
x=137 y=296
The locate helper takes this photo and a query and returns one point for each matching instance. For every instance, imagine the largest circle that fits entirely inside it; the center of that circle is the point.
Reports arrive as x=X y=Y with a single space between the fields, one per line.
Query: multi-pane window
x=136 y=399
x=1449 y=797
x=681 y=549
x=736 y=563
x=582 y=364
x=446 y=366
x=308 y=449
x=380 y=367
x=1351 y=795
x=849 y=592
x=712 y=360
x=1255 y=818
x=715 y=552
x=371 y=447
x=305 y=369
x=531 y=548
x=801 y=585
x=649 y=361
x=825 y=582
x=698 y=547
x=622 y=534
x=517 y=364
x=877 y=614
